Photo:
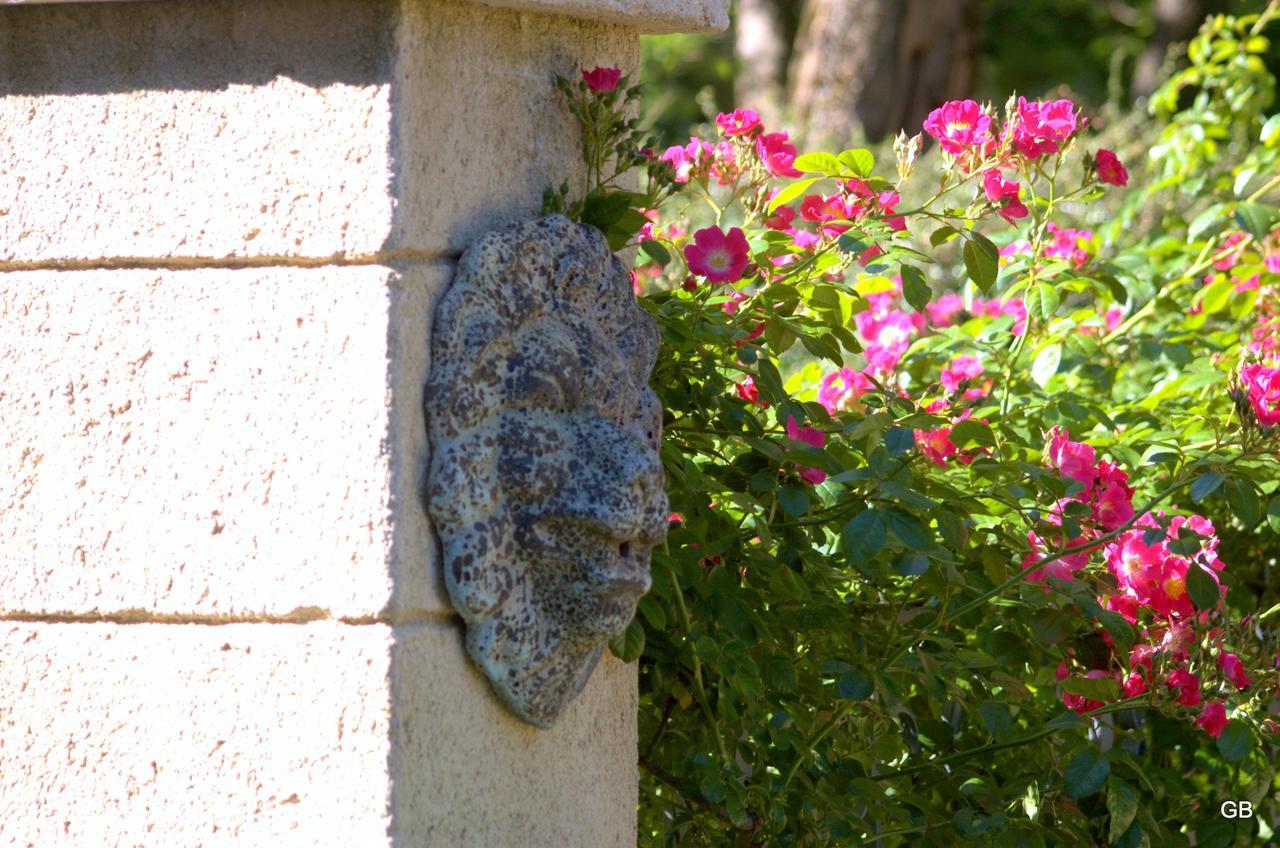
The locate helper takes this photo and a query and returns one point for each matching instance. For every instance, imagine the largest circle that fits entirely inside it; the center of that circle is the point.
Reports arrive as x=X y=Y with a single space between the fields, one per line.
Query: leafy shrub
x=974 y=510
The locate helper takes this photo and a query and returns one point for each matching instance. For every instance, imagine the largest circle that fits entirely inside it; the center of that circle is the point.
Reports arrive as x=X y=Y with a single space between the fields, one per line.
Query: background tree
x=871 y=67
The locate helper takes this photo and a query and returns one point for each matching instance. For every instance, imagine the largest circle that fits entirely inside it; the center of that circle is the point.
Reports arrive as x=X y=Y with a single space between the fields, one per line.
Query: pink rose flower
x=812 y=476
x=719 y=256
x=1042 y=127
x=1062 y=568
x=602 y=80
x=1074 y=460
x=740 y=122
x=1068 y=244
x=805 y=239
x=689 y=160
x=731 y=305
x=887 y=338
x=1003 y=194
x=1213 y=718
x=1079 y=703
x=750 y=392
x=1114 y=317
x=1135 y=684
x=1227 y=262
x=781 y=219
x=936 y=445
x=724 y=163
x=1263 y=387
x=1186 y=685
x=945 y=309
x=809 y=435
x=961 y=370
x=812 y=437
x=777 y=154
x=960 y=126
x=841 y=389
x=1233 y=670
x=1110 y=170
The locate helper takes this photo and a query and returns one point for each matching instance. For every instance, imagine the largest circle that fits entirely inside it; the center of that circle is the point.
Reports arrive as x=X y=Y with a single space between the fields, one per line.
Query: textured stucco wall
x=223 y=226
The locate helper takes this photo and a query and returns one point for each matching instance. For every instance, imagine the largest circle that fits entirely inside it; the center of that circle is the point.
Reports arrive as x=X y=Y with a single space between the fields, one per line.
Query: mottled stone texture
x=546 y=485
x=224 y=226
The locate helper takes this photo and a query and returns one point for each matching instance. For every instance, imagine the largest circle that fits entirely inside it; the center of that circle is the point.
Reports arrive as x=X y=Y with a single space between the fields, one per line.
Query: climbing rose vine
x=974 y=461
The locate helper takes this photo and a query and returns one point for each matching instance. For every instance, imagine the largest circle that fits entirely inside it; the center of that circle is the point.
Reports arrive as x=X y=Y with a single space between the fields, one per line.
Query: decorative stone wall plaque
x=545 y=483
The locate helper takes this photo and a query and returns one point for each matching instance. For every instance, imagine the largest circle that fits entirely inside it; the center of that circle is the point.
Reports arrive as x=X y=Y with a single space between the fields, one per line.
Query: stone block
x=195 y=129
x=469 y=773
x=650 y=16
x=321 y=734
x=477 y=141
x=157 y=735
x=242 y=128
x=223 y=443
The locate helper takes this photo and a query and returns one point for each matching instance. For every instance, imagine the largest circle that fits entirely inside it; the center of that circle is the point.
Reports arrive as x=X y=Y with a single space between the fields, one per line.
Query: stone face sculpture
x=545 y=482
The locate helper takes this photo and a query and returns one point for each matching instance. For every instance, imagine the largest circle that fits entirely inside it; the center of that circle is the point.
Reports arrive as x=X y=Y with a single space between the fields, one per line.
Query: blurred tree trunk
x=1176 y=20
x=877 y=66
x=761 y=45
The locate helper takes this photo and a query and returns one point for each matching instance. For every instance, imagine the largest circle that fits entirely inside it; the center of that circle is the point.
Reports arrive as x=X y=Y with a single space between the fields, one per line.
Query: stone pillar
x=223 y=227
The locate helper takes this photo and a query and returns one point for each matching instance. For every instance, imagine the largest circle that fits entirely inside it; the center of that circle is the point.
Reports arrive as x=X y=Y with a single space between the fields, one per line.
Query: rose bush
x=975 y=507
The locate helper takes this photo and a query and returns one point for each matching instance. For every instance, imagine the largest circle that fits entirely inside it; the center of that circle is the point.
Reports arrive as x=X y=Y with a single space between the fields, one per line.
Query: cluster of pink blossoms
x=1067 y=243
x=726 y=160
x=1150 y=562
x=1035 y=128
x=1259 y=379
x=886 y=330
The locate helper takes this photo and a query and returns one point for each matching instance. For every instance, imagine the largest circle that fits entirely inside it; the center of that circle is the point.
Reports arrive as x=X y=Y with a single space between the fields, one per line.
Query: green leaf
x=981 y=261
x=1208 y=221
x=1244 y=501
x=1202 y=588
x=996 y=717
x=865 y=535
x=1121 y=631
x=1214 y=297
x=914 y=288
x=1043 y=302
x=970 y=432
x=713 y=788
x=770 y=381
x=1046 y=364
x=1270 y=135
x=1205 y=485
x=1093 y=688
x=818 y=163
x=1273 y=514
x=899 y=440
x=791 y=192
x=910 y=530
x=1256 y=219
x=794 y=501
x=854 y=686
x=630 y=644
x=1122 y=805
x=942 y=235
x=1235 y=742
x=1086 y=773
x=859 y=162
x=656 y=251
x=651 y=608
